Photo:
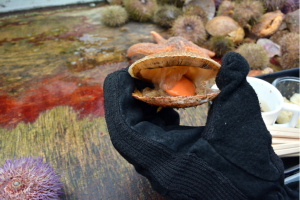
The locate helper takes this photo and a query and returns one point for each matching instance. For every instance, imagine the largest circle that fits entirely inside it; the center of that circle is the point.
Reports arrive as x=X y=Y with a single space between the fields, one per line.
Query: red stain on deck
x=87 y=101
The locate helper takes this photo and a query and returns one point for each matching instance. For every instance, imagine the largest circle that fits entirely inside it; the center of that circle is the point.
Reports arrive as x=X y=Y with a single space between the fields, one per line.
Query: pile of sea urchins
x=257 y=29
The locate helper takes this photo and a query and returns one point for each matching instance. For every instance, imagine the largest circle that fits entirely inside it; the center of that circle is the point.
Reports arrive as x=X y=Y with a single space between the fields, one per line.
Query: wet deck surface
x=53 y=63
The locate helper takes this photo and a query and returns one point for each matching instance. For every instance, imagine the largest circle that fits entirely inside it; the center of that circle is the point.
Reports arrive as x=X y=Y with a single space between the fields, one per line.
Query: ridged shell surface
x=178 y=102
x=172 y=58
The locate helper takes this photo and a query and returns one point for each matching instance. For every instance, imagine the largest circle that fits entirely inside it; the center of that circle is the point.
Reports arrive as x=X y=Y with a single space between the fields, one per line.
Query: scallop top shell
x=225 y=26
x=177 y=58
x=221 y=25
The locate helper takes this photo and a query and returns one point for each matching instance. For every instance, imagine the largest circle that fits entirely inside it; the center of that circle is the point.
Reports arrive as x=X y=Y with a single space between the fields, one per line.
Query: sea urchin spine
x=29 y=179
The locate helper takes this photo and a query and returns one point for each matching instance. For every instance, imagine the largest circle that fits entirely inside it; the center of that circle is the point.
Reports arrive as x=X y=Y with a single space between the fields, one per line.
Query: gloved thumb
x=235 y=127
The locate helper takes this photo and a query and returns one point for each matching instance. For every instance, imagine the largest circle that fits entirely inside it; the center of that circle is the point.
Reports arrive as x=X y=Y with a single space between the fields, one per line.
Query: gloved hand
x=230 y=158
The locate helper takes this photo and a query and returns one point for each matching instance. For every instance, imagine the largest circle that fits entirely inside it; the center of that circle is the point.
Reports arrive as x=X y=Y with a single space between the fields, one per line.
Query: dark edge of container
x=272 y=76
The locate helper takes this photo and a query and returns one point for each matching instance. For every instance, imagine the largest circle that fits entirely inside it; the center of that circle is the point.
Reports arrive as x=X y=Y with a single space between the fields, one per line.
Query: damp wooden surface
x=53 y=63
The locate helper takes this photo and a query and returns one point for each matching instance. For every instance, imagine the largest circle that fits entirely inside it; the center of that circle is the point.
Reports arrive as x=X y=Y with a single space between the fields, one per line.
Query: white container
x=272 y=102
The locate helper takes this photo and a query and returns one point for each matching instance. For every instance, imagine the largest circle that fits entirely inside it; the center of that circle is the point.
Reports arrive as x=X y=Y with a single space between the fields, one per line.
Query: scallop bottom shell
x=177 y=102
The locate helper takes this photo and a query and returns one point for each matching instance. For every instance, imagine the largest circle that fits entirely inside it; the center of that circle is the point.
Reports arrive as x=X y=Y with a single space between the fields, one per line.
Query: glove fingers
x=160 y=152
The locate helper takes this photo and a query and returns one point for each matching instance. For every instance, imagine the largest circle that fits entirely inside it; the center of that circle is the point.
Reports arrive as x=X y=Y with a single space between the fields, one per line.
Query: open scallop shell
x=199 y=68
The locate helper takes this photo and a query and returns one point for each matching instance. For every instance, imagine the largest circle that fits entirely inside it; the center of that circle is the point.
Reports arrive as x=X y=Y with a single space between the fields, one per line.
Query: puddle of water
x=60 y=47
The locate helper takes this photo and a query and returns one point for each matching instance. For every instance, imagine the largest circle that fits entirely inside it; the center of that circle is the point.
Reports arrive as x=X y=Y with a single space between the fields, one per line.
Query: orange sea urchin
x=29 y=178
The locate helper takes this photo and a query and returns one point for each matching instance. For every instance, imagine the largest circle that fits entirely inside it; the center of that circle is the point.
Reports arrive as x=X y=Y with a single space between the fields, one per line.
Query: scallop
x=166 y=69
x=225 y=26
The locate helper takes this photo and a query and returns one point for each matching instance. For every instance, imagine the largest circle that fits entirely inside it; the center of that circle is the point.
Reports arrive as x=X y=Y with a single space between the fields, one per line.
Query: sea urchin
x=255 y=55
x=140 y=10
x=248 y=12
x=272 y=5
x=198 y=11
x=29 y=179
x=220 y=45
x=189 y=27
x=226 y=8
x=290 y=50
x=114 y=15
x=165 y=15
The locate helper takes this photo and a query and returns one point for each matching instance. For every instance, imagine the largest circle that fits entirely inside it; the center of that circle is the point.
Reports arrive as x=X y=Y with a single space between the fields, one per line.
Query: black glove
x=230 y=158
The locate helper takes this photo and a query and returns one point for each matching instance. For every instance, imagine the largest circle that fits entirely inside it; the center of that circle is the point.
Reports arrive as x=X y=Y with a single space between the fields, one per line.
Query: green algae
x=80 y=150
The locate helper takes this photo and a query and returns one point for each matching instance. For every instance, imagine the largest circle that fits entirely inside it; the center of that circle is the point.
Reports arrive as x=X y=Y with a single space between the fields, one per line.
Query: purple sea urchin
x=165 y=15
x=218 y=2
x=114 y=15
x=221 y=45
x=189 y=27
x=248 y=12
x=226 y=8
x=290 y=6
x=196 y=10
x=255 y=55
x=29 y=179
x=140 y=10
x=289 y=51
x=272 y=5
